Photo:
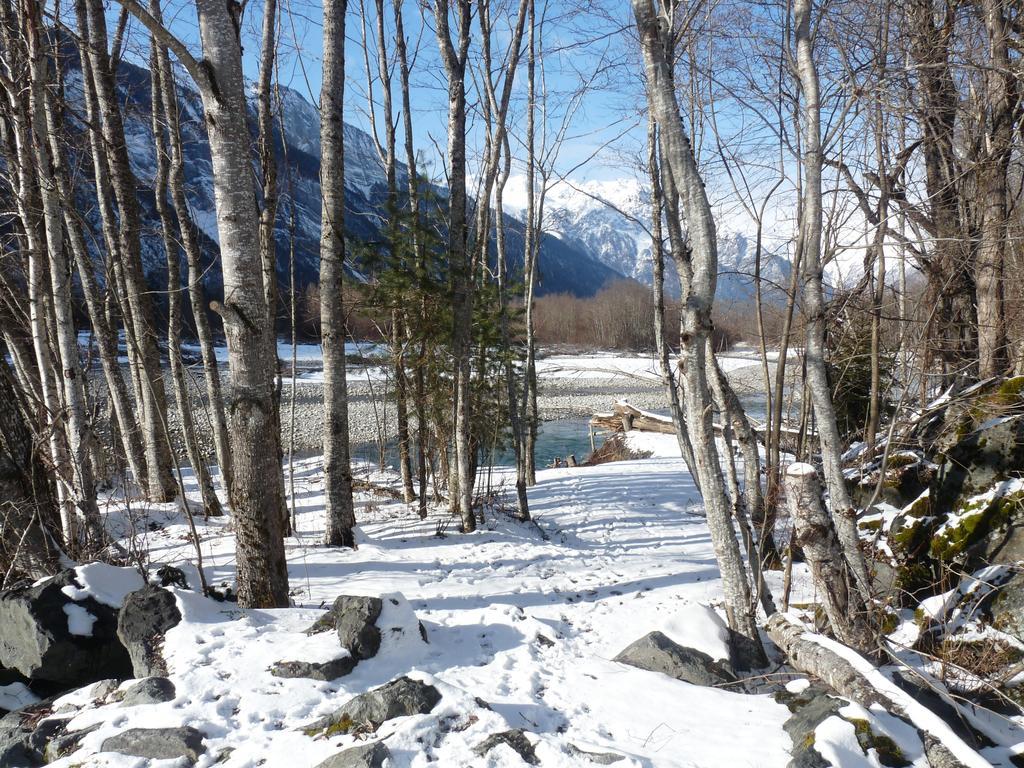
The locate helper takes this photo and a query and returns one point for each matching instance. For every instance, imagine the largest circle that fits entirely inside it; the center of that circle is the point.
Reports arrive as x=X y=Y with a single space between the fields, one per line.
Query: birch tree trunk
x=112 y=151
x=841 y=507
x=419 y=375
x=698 y=280
x=105 y=335
x=255 y=491
x=211 y=504
x=29 y=203
x=71 y=389
x=454 y=59
x=833 y=582
x=193 y=255
x=337 y=462
x=658 y=274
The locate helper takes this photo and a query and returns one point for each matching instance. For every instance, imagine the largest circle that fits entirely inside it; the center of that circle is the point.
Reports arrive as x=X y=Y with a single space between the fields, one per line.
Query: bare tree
x=809 y=245
x=698 y=273
x=454 y=54
x=337 y=462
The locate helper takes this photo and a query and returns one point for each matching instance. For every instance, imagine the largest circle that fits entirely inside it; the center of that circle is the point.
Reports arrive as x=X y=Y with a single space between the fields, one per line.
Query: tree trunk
x=458 y=253
x=337 y=463
x=255 y=447
x=843 y=513
x=660 y=332
x=698 y=280
x=419 y=375
x=71 y=390
x=833 y=581
x=112 y=151
x=211 y=504
x=193 y=255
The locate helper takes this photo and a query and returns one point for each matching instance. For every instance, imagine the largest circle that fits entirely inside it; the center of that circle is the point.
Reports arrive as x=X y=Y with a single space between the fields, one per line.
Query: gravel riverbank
x=372 y=416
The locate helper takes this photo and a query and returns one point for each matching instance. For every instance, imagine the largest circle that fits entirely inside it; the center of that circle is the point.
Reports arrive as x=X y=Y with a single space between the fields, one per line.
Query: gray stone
x=152 y=690
x=314 y=670
x=158 y=743
x=64 y=744
x=516 y=739
x=35 y=638
x=601 y=758
x=104 y=688
x=810 y=708
x=355 y=619
x=1008 y=608
x=364 y=756
x=657 y=653
x=144 y=619
x=25 y=733
x=401 y=697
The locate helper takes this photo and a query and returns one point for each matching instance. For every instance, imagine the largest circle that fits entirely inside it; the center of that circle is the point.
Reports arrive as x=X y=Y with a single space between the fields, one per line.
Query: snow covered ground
x=526 y=617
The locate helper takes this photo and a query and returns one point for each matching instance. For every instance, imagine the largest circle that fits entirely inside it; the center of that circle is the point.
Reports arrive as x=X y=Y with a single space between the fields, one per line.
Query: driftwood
x=624 y=417
x=809 y=653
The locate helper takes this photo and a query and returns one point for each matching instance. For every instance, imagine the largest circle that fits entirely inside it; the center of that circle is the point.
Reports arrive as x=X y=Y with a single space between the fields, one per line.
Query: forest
x=490 y=382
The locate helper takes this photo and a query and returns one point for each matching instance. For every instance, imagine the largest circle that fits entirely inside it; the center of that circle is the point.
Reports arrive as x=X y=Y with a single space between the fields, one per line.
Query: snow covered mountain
x=564 y=267
x=610 y=220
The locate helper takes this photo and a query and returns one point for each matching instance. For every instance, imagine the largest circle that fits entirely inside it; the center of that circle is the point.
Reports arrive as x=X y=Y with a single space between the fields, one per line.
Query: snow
x=80 y=621
x=918 y=714
x=614 y=554
x=104 y=583
x=16 y=696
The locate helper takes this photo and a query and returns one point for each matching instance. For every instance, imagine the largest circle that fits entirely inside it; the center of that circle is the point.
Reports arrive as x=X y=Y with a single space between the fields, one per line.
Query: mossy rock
x=1008 y=608
x=982 y=528
x=889 y=752
x=977 y=462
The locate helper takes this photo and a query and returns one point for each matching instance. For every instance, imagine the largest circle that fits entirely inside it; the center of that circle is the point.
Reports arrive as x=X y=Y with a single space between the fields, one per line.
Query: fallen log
x=624 y=418
x=857 y=679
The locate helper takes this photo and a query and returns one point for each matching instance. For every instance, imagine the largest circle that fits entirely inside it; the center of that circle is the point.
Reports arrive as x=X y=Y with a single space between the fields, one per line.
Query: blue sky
x=606 y=132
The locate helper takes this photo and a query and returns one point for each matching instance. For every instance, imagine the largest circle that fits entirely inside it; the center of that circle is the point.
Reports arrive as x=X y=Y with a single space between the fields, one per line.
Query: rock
x=25 y=733
x=355 y=620
x=315 y=670
x=399 y=698
x=152 y=690
x=364 y=756
x=1008 y=608
x=655 y=652
x=744 y=653
x=516 y=739
x=145 y=617
x=104 y=689
x=987 y=456
x=64 y=744
x=601 y=758
x=810 y=708
x=907 y=475
x=43 y=634
x=158 y=743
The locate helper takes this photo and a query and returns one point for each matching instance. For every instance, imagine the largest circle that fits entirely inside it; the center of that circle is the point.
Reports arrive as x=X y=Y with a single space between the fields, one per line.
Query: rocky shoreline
x=372 y=414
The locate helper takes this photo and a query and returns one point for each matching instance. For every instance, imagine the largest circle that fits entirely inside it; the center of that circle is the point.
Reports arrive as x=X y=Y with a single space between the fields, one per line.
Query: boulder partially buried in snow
x=145 y=617
x=515 y=740
x=57 y=632
x=367 y=627
x=655 y=652
x=364 y=756
x=315 y=670
x=158 y=743
x=401 y=697
x=151 y=690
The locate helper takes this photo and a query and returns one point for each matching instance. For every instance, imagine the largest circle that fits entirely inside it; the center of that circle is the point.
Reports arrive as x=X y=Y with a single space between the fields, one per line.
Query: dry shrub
x=614 y=449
